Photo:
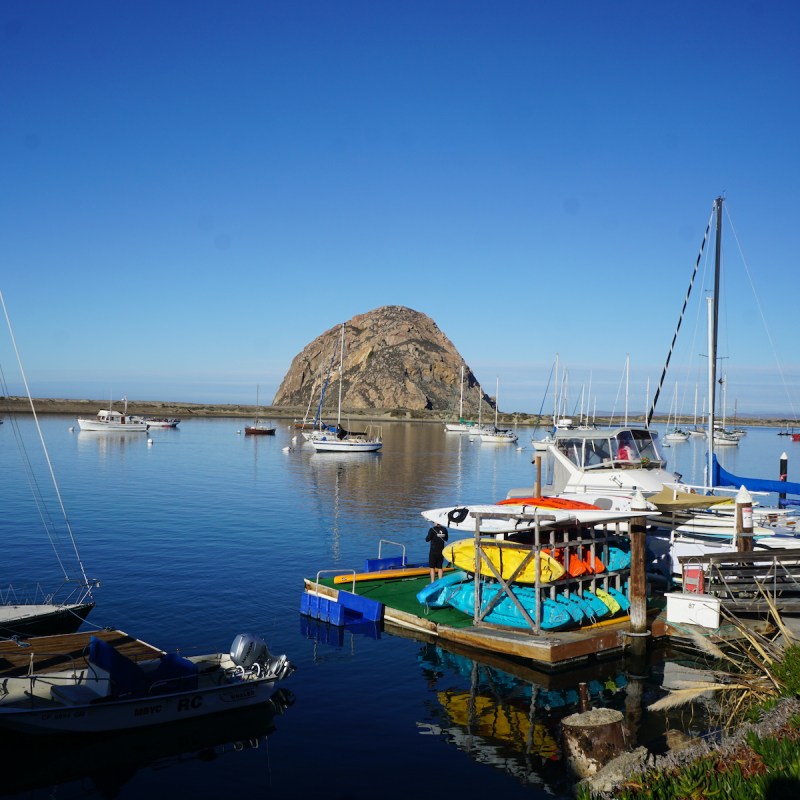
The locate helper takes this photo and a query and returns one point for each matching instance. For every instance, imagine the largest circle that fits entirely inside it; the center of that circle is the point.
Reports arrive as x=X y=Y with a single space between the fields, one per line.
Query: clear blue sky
x=191 y=191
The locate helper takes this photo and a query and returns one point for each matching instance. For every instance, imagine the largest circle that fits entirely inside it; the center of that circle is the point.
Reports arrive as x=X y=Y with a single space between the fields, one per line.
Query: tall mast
x=461 y=401
x=341 y=379
x=713 y=326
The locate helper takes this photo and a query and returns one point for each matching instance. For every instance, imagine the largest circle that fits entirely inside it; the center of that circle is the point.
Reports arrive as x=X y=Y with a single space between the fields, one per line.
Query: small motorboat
x=109 y=681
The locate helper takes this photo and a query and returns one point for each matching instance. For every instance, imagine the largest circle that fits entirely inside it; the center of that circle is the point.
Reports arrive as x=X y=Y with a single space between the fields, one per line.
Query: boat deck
x=44 y=653
x=550 y=649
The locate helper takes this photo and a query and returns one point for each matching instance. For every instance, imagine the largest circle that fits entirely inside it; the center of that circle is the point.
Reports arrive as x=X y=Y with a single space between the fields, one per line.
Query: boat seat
x=74 y=694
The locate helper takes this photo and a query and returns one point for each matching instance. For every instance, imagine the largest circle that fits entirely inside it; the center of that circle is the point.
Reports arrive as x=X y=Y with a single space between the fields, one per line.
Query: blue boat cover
x=724 y=478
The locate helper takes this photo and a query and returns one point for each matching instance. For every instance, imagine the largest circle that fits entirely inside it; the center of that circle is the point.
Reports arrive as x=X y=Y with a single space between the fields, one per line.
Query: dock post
x=744 y=521
x=538 y=487
x=783 y=469
x=637 y=583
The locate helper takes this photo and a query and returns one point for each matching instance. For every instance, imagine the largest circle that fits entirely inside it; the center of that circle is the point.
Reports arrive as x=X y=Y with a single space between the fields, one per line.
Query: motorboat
x=109 y=681
x=108 y=419
x=162 y=422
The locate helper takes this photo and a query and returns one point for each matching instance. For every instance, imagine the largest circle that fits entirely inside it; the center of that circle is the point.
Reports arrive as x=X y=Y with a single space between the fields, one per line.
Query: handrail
x=389 y=541
x=336 y=572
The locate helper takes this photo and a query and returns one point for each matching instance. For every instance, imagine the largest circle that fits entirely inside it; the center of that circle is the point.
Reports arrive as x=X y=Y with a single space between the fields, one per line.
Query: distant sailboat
x=328 y=438
x=258 y=428
x=462 y=426
x=497 y=435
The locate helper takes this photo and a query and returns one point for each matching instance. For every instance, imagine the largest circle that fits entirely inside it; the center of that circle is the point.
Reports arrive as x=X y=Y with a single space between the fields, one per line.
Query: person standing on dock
x=437 y=536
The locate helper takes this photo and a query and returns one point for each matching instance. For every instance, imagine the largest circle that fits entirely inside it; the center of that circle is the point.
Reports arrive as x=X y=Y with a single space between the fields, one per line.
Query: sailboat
x=258 y=428
x=335 y=439
x=28 y=611
x=675 y=433
x=497 y=435
x=462 y=426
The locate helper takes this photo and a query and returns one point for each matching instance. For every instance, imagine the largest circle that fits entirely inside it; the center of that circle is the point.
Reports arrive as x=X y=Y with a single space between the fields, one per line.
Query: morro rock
x=394 y=358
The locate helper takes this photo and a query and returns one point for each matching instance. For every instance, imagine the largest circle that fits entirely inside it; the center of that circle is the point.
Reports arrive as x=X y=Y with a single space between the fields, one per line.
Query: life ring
x=457 y=515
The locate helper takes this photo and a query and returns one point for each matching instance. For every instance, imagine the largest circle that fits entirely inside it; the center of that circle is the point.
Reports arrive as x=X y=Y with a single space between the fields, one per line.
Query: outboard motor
x=250 y=652
x=248 y=649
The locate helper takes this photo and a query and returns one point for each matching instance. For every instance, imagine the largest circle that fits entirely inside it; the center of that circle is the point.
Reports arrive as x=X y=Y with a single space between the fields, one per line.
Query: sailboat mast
x=341 y=379
x=461 y=400
x=496 y=400
x=556 y=389
x=713 y=327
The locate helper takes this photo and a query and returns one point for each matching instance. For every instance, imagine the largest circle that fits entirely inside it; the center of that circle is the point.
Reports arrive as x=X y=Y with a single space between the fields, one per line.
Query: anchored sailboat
x=32 y=611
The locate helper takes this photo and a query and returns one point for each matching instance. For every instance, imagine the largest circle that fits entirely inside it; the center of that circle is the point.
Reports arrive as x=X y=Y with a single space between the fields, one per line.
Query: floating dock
x=402 y=612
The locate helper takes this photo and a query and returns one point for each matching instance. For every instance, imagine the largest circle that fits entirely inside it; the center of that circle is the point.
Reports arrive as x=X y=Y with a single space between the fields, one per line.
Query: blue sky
x=193 y=191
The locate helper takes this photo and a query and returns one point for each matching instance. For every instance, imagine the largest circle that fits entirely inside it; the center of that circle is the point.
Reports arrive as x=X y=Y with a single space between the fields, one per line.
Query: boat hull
x=334 y=445
x=258 y=430
x=25 y=620
x=124 y=427
x=115 y=715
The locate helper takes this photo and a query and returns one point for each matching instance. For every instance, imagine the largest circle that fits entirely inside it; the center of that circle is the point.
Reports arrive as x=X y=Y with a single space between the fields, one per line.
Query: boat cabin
x=609 y=460
x=618 y=447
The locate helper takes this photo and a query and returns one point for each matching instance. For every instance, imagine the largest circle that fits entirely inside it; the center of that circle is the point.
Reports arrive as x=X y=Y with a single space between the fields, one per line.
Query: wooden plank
x=44 y=653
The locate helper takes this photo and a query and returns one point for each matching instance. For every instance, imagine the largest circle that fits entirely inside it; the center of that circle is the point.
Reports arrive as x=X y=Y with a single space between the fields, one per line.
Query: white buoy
x=238 y=433
x=71 y=428
x=149 y=442
x=288 y=449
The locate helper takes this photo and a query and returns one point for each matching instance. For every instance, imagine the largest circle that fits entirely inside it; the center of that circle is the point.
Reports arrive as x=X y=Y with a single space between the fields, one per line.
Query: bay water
x=206 y=533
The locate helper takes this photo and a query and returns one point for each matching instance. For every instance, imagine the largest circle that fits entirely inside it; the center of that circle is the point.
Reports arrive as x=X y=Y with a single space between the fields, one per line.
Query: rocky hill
x=394 y=358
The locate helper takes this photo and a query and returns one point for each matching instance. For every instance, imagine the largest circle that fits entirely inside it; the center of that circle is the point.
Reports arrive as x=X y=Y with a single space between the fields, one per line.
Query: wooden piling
x=591 y=739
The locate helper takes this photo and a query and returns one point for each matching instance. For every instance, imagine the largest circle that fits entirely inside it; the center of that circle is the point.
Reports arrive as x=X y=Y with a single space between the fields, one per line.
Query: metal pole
x=783 y=469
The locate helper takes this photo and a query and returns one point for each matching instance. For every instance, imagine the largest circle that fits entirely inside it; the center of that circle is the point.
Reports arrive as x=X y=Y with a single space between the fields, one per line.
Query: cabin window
x=647 y=445
x=596 y=452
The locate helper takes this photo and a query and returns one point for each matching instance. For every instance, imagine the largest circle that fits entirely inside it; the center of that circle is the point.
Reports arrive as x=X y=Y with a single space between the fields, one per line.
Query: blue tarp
x=723 y=478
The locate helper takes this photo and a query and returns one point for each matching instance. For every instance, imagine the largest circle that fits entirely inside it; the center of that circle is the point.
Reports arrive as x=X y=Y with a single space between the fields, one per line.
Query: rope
x=680 y=320
x=46 y=453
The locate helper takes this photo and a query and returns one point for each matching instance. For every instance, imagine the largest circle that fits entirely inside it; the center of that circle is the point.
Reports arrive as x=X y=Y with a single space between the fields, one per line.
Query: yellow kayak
x=386 y=574
x=506 y=557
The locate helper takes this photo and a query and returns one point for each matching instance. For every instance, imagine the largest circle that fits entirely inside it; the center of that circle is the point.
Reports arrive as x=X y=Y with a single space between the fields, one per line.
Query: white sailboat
x=462 y=426
x=497 y=435
x=335 y=439
x=674 y=432
x=31 y=611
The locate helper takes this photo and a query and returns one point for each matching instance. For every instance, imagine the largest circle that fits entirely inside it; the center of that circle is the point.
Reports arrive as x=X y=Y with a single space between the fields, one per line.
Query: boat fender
x=457 y=515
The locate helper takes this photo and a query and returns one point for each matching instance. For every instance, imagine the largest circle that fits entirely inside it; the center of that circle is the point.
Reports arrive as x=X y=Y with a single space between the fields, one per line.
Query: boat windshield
x=599 y=449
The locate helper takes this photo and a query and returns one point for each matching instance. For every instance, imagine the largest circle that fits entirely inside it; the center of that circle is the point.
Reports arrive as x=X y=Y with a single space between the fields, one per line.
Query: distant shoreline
x=153 y=408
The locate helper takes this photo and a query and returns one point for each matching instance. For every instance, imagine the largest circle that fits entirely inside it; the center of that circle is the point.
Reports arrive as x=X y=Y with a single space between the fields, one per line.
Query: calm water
x=207 y=533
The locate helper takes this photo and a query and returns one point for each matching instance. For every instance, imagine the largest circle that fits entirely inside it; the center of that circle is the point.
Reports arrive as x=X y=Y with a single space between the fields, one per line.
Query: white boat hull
x=548 y=517
x=115 y=715
x=334 y=445
x=125 y=427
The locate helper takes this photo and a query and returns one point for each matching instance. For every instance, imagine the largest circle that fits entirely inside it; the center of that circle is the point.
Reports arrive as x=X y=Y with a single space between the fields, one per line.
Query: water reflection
x=102 y=764
x=106 y=443
x=506 y=714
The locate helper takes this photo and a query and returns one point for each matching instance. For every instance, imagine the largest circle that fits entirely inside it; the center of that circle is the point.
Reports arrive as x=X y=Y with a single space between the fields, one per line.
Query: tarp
x=723 y=478
x=674 y=500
